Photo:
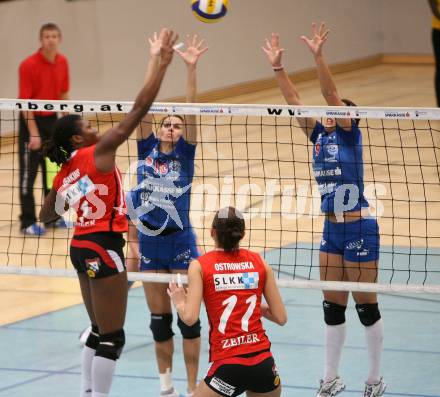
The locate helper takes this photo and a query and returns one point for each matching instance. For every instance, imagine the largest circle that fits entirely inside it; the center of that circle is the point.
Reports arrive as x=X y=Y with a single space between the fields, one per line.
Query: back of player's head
x=49 y=26
x=229 y=226
x=349 y=102
x=60 y=147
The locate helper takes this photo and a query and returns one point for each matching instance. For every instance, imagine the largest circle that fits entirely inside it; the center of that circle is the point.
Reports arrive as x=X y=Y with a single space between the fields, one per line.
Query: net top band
x=220 y=109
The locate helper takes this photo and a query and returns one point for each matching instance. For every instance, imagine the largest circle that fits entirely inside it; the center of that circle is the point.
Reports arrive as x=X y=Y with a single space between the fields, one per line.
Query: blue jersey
x=338 y=168
x=164 y=183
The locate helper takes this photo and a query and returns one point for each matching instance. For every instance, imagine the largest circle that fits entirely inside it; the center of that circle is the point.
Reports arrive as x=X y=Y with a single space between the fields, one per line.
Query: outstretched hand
x=167 y=39
x=176 y=293
x=319 y=37
x=194 y=50
x=273 y=50
x=155 y=45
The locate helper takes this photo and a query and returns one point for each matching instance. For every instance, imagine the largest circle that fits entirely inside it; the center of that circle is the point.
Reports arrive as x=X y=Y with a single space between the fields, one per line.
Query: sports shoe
x=330 y=388
x=84 y=334
x=170 y=393
x=34 y=230
x=189 y=394
x=376 y=389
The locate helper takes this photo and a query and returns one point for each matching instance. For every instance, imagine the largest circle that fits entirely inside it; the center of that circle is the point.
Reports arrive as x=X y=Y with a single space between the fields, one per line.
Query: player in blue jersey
x=160 y=205
x=350 y=245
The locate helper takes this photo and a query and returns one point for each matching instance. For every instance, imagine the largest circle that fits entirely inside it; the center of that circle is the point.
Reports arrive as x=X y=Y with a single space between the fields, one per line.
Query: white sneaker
x=376 y=389
x=189 y=394
x=84 y=335
x=170 y=393
x=330 y=388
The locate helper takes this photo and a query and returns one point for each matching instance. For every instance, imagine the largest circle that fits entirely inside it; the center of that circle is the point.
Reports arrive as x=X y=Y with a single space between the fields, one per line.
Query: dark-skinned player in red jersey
x=90 y=183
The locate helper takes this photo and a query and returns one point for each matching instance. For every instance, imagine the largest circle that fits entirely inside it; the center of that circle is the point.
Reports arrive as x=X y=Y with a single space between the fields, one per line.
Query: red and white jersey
x=98 y=198
x=233 y=283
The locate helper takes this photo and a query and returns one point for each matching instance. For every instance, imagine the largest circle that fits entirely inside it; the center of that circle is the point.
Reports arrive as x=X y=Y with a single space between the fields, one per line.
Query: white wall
x=105 y=40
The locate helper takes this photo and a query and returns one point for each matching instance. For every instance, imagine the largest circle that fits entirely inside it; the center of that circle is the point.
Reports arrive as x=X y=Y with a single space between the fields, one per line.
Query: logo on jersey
x=222 y=386
x=317 y=148
x=235 y=281
x=149 y=161
x=175 y=166
x=163 y=169
x=92 y=267
x=76 y=191
x=332 y=149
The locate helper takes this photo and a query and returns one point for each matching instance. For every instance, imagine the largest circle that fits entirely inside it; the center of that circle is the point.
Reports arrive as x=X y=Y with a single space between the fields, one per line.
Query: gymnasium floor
x=41 y=317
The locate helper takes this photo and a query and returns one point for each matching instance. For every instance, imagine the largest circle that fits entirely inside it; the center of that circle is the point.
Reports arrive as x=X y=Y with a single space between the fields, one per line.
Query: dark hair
x=49 y=26
x=348 y=102
x=59 y=148
x=229 y=225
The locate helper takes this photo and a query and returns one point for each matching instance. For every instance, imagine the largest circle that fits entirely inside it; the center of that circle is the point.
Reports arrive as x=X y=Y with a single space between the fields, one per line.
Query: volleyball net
x=256 y=158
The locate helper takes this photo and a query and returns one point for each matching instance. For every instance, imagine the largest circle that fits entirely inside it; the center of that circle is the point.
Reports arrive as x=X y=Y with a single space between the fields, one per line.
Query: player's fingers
x=173 y=38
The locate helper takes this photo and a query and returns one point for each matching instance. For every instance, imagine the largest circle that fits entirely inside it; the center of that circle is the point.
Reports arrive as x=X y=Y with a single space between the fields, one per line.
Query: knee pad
x=334 y=314
x=93 y=338
x=160 y=326
x=189 y=332
x=368 y=313
x=111 y=345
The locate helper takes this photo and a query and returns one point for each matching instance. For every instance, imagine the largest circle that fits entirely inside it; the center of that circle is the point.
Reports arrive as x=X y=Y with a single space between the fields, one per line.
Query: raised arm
x=274 y=54
x=105 y=150
x=274 y=310
x=328 y=87
x=434 y=8
x=145 y=128
x=194 y=50
x=188 y=303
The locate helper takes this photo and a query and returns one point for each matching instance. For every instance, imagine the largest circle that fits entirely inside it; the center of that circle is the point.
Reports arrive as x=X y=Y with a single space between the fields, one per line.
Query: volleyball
x=209 y=11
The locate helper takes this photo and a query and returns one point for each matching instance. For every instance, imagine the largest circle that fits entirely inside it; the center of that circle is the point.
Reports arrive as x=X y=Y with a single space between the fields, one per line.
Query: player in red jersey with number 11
x=232 y=281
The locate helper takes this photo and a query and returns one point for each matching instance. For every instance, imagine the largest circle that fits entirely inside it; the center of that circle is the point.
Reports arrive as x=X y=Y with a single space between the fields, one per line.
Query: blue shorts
x=169 y=252
x=357 y=241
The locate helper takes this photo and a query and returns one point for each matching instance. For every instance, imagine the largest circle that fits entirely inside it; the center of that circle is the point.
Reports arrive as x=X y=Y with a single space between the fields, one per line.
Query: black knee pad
x=161 y=327
x=368 y=313
x=334 y=314
x=93 y=338
x=111 y=345
x=189 y=332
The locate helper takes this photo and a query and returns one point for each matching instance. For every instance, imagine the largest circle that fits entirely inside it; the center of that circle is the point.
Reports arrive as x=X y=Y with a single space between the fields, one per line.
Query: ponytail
x=60 y=148
x=229 y=225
